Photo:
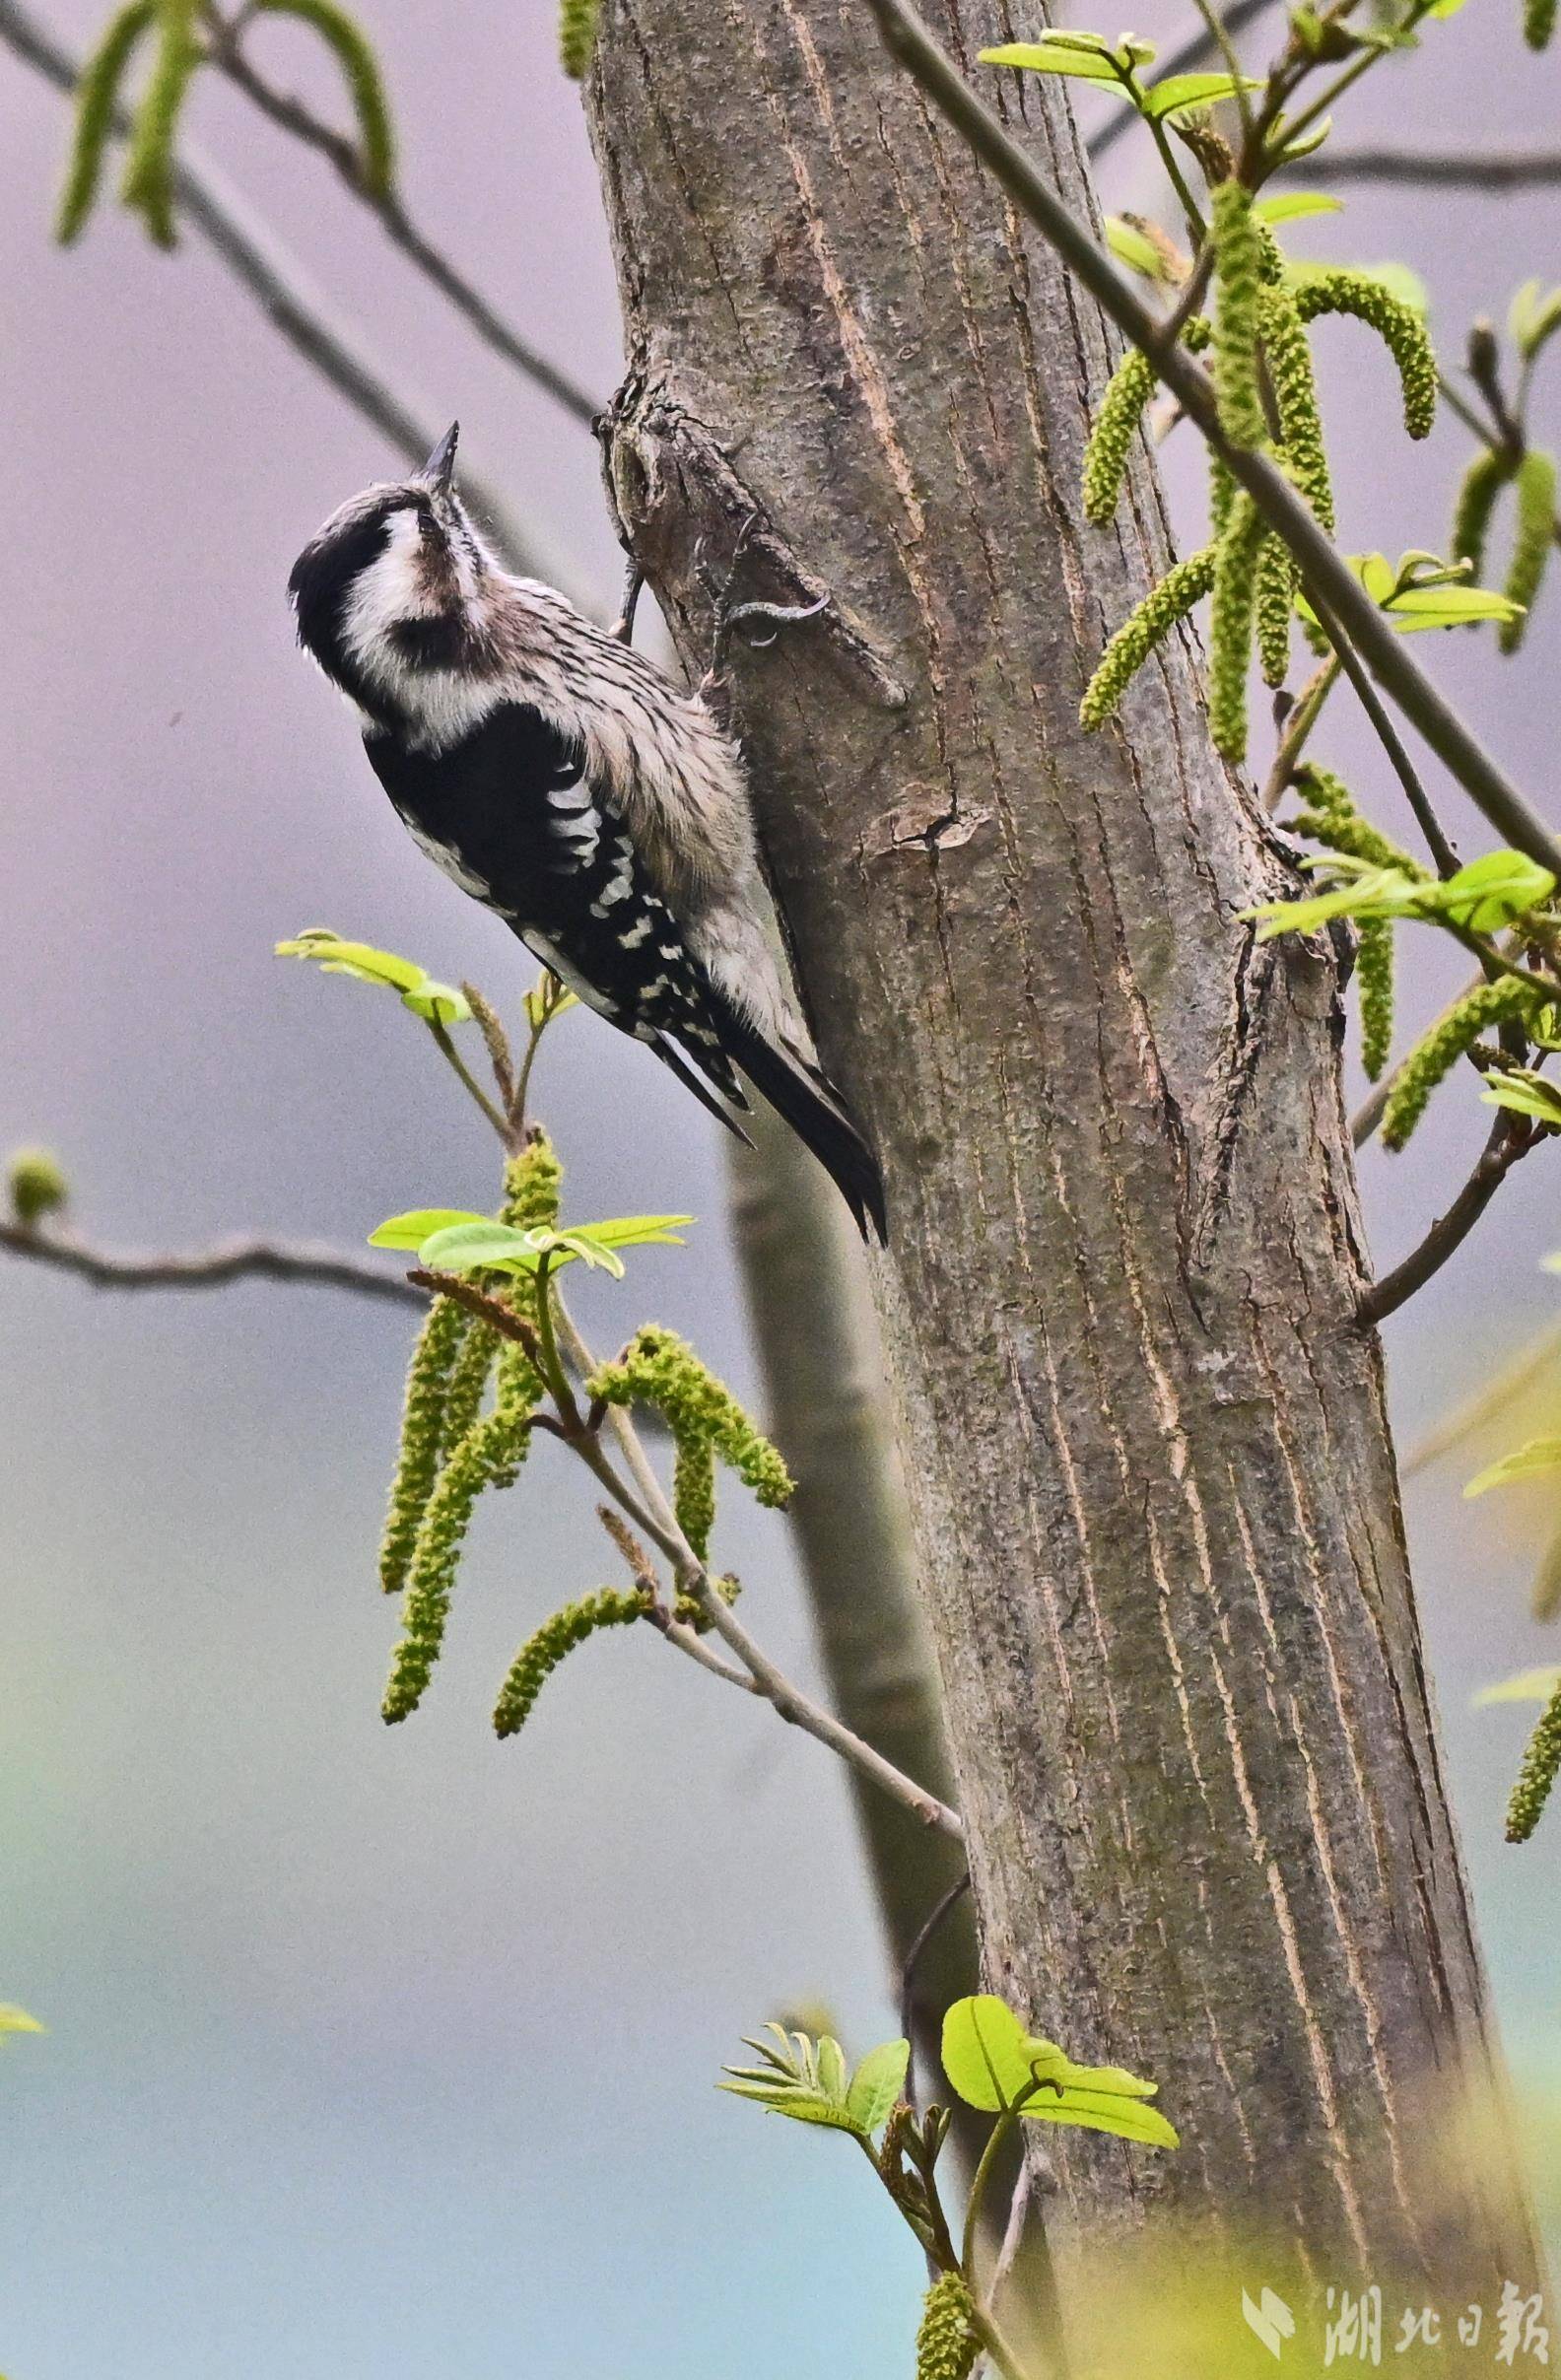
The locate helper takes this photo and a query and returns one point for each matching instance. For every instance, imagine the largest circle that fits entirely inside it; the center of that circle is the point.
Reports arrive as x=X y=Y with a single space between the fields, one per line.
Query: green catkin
x=468 y=1383
x=694 y=1489
x=1540 y=1764
x=1231 y=615
x=488 y=1455
x=1538 y=22
x=1277 y=580
x=1238 y=266
x=577 y=35
x=1374 y=978
x=1141 y=631
x=1332 y=817
x=422 y=1423
x=1535 y=489
x=659 y=1369
x=148 y=184
x=97 y=94
x=353 y=52
x=1289 y=360
x=554 y=1641
x=1434 y=1057
x=947 y=2342
x=1405 y=334
x=1121 y=409
x=533 y=1185
x=1478 y=490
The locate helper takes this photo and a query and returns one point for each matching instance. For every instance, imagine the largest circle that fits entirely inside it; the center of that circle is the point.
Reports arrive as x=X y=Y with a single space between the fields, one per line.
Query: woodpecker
x=558 y=777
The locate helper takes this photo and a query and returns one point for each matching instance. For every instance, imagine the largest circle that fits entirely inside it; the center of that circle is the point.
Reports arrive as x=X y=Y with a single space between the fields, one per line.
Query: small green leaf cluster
x=436 y=1003
x=554 y=1641
x=36 y=1181
x=578 y=21
x=996 y=2063
x=172 y=27
x=811 y=2082
x=458 y=1241
x=1091 y=58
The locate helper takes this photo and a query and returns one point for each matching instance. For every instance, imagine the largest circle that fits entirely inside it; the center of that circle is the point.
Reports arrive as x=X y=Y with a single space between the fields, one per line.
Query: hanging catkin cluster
x=659 y=1369
x=451 y=1451
x=1259 y=339
x=178 y=53
x=1330 y=817
x=947 y=2344
x=577 y=35
x=1540 y=1764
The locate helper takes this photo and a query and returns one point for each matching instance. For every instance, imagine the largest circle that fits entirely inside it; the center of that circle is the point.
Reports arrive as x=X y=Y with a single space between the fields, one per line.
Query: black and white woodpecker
x=558 y=777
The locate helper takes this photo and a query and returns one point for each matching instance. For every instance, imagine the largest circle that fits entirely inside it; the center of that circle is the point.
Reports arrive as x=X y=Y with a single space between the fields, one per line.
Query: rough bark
x=1153 y=1493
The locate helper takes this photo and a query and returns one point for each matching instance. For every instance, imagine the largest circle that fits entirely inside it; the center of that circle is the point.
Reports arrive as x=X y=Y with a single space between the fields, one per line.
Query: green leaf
x=798 y=2079
x=1131 y=248
x=1444 y=8
x=983 y=2052
x=635 y=1231
x=555 y=1245
x=420 y=1223
x=876 y=2085
x=1539 y=1455
x=1179 y=91
x=483 y=1246
x=1058 y=54
x=439 y=1003
x=1525 y=1094
x=1491 y=892
x=1534 y=318
x=1293 y=206
x=1416 y=607
x=17 y=2020
x=1371 y=893
x=1529 y=1685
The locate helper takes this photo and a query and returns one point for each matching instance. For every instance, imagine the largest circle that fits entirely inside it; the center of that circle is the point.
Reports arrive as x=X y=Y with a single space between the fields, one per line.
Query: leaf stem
x=453 y=1057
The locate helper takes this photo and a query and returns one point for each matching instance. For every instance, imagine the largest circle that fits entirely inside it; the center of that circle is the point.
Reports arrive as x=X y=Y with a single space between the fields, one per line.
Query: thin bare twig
x=1496 y=171
x=294 y=117
x=210 y=1268
x=1510 y=1139
x=281 y=288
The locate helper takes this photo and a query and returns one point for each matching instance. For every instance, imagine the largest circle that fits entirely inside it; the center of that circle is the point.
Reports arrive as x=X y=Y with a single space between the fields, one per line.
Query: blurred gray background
x=381 y=2051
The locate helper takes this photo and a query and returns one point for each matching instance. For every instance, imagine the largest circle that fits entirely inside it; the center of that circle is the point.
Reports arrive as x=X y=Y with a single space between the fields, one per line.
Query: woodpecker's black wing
x=511 y=815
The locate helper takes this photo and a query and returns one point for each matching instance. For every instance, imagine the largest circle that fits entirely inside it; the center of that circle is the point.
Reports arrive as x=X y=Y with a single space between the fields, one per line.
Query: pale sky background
x=378 y=2052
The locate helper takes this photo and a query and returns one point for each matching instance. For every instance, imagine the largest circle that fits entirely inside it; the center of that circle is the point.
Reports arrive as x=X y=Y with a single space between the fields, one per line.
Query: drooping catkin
x=658 y=1368
x=1478 y=490
x=1538 y=22
x=1277 y=579
x=1540 y=1764
x=1289 y=356
x=1231 y=615
x=1238 y=267
x=1181 y=587
x=533 y=1185
x=422 y=1422
x=1120 y=411
x=1534 y=487
x=554 y=1641
x=577 y=35
x=1332 y=816
x=1374 y=978
x=1400 y=328
x=97 y=94
x=947 y=2342
x=148 y=184
x=694 y=1489
x=1433 y=1058
x=468 y=1383
x=354 y=54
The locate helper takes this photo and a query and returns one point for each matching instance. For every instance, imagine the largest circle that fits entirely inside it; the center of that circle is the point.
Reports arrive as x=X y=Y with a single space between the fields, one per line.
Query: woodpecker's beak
x=440 y=466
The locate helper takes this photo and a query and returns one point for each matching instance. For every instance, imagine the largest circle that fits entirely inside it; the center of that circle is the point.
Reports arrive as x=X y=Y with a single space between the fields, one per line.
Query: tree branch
x=1509 y=1141
x=279 y=285
x=387 y=207
x=211 y=1267
x=1324 y=573
x=1494 y=171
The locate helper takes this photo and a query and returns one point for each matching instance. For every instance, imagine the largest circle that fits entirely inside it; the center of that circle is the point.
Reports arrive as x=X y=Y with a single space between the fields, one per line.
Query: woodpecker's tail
x=815 y=1113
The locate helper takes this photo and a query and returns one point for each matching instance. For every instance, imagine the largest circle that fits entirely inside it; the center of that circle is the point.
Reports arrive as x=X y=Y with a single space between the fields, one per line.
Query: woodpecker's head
x=394 y=587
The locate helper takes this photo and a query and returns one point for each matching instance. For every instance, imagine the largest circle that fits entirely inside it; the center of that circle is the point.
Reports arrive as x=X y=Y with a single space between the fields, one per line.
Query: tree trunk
x=1153 y=1494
